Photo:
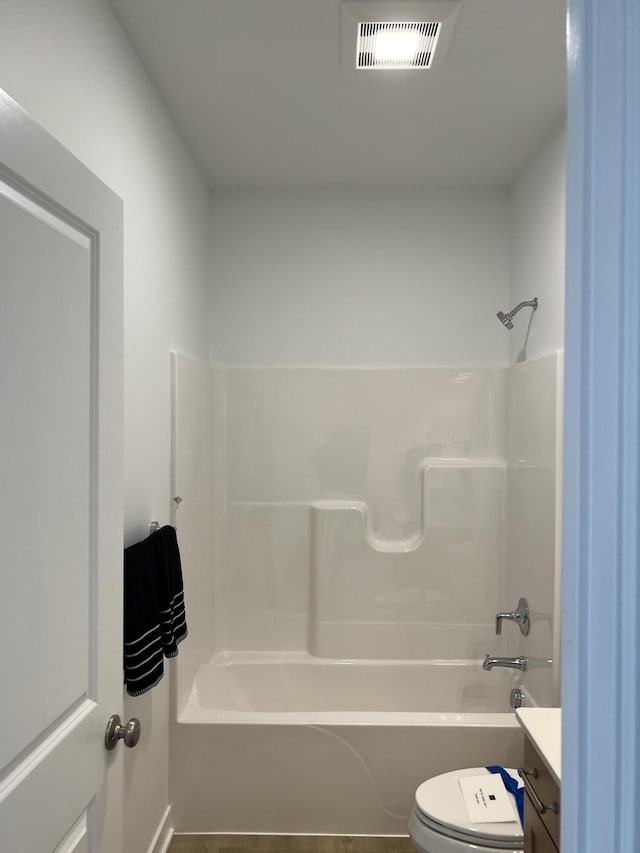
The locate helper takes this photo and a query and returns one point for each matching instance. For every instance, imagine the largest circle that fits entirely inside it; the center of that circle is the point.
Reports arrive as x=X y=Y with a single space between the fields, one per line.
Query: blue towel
x=511 y=785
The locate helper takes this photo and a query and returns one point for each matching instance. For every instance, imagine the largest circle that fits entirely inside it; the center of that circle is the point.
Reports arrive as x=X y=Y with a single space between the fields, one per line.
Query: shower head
x=504 y=319
x=507 y=319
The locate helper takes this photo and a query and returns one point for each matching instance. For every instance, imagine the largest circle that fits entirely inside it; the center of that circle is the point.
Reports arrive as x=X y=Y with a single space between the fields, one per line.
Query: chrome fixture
x=536 y=802
x=507 y=319
x=511 y=663
x=516 y=698
x=115 y=731
x=520 y=616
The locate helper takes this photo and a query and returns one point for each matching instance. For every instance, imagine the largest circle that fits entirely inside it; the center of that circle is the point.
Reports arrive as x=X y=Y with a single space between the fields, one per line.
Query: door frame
x=601 y=554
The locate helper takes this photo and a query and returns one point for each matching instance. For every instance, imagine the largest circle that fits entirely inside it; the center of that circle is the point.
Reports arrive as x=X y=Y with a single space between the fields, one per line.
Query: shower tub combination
x=295 y=744
x=367 y=544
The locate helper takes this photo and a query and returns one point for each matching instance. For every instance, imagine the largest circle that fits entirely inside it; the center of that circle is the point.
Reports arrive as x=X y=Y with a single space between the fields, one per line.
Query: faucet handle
x=520 y=616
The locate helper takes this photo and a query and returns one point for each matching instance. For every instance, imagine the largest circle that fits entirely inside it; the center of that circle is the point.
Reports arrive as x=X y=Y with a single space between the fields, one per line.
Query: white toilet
x=439 y=822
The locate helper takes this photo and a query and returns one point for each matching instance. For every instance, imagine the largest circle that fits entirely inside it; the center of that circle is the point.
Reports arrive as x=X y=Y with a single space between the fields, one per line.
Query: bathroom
x=328 y=341
x=371 y=475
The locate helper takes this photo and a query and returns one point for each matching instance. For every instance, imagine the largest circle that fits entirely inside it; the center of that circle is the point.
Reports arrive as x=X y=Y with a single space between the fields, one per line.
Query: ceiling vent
x=396 y=34
x=396 y=44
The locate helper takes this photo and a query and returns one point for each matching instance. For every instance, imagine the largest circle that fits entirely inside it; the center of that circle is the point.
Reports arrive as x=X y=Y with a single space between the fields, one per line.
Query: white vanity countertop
x=544 y=727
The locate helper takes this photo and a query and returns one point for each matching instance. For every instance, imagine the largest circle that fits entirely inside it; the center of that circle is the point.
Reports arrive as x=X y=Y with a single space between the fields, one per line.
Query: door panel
x=45 y=374
x=60 y=494
x=76 y=840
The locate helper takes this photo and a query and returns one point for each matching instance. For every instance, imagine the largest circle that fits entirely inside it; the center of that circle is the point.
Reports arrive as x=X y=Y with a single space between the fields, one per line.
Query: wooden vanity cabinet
x=536 y=837
x=541 y=827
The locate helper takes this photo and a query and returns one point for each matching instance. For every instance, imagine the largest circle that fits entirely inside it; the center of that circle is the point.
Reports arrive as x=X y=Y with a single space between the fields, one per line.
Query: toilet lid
x=439 y=803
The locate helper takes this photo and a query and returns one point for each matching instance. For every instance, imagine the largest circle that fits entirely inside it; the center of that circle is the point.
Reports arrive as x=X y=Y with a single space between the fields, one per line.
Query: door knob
x=115 y=731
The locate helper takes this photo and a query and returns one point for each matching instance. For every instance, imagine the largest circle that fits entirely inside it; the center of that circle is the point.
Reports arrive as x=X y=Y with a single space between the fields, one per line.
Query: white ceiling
x=258 y=92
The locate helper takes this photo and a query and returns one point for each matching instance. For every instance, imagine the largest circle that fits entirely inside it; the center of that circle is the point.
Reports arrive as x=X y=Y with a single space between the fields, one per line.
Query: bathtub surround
x=365 y=516
x=534 y=394
x=423 y=596
x=356 y=529
x=336 y=502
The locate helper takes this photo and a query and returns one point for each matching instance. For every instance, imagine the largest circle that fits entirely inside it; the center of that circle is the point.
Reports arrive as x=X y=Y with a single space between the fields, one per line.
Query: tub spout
x=512 y=663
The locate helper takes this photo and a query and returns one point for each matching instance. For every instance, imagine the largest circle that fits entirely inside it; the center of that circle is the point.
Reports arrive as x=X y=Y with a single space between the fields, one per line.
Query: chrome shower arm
x=531 y=303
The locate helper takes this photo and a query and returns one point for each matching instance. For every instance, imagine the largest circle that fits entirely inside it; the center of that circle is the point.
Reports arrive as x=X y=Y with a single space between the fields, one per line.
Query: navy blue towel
x=511 y=785
x=143 y=658
x=170 y=590
x=154 y=615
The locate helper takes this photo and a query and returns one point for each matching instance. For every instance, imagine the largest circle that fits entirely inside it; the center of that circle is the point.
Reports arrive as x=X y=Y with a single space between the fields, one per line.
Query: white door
x=60 y=496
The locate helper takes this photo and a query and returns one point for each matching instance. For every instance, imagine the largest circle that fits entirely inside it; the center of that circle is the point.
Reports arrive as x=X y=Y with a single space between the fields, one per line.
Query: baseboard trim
x=164 y=834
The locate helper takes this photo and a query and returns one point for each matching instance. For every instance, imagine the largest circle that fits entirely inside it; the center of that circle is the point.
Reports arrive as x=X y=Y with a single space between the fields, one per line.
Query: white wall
x=537 y=250
x=68 y=63
x=360 y=278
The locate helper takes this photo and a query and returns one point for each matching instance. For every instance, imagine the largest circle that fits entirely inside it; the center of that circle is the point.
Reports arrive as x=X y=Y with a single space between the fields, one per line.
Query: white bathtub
x=275 y=744
x=297 y=688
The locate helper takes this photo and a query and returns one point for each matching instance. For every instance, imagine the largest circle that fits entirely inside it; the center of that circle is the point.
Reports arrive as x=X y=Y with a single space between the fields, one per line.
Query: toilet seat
x=440 y=807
